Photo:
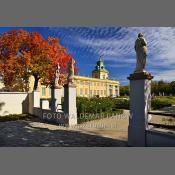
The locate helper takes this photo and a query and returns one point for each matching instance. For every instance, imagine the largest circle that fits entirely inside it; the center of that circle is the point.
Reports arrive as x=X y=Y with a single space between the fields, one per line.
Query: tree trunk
x=36 y=84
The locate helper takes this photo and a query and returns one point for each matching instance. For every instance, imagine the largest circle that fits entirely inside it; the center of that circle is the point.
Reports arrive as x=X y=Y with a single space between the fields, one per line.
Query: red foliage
x=23 y=54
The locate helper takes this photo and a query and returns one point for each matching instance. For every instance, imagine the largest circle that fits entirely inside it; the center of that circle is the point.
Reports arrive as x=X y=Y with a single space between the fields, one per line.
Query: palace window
x=50 y=92
x=110 y=90
x=86 y=83
x=98 y=92
x=43 y=91
x=94 y=83
x=101 y=92
x=94 y=92
x=110 y=86
x=81 y=91
x=86 y=91
x=116 y=90
x=90 y=92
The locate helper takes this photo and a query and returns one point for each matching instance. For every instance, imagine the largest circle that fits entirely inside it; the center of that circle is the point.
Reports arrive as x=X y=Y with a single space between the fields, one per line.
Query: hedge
x=121 y=103
x=13 y=117
x=95 y=108
x=160 y=103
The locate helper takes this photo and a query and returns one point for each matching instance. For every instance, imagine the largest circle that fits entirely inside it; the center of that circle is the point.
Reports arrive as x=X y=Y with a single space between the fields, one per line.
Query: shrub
x=86 y=105
x=93 y=108
x=122 y=103
x=160 y=103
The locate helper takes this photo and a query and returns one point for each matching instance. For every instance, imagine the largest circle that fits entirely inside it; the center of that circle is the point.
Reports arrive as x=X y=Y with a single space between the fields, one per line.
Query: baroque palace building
x=99 y=85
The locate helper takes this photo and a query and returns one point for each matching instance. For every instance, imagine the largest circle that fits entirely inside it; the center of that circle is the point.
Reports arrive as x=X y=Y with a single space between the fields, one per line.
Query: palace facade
x=99 y=85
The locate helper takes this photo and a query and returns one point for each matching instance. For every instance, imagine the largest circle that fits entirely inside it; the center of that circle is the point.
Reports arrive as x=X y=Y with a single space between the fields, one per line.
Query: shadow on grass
x=23 y=134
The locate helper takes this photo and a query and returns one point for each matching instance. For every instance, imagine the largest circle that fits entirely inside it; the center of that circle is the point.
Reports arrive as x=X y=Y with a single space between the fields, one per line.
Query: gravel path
x=104 y=132
x=108 y=132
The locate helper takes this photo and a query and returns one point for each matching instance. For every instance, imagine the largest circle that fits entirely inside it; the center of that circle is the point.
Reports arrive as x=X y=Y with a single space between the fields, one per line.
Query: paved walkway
x=104 y=132
x=169 y=110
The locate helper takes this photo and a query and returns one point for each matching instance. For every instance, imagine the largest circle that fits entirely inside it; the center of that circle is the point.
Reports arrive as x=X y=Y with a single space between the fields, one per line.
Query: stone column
x=56 y=94
x=34 y=101
x=140 y=92
x=70 y=109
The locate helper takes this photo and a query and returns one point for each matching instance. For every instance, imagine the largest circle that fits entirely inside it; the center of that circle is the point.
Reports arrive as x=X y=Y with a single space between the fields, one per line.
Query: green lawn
x=162 y=101
x=171 y=99
x=14 y=117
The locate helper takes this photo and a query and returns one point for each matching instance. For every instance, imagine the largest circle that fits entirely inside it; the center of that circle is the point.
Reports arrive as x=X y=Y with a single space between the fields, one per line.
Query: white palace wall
x=13 y=103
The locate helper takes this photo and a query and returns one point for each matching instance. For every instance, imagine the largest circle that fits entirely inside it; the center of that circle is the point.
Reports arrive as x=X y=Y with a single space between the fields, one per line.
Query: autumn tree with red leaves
x=23 y=54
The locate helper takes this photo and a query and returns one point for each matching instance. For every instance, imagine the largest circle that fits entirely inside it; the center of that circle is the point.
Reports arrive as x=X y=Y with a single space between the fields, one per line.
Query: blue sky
x=116 y=44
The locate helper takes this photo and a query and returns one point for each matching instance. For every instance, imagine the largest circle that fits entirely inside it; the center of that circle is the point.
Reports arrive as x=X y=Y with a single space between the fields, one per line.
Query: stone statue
x=70 y=70
x=57 y=74
x=141 y=52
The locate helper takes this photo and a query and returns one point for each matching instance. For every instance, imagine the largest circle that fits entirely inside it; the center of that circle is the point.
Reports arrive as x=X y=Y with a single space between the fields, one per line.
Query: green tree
x=124 y=90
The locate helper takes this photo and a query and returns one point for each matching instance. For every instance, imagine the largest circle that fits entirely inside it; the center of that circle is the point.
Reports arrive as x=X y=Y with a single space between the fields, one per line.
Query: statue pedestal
x=140 y=103
x=70 y=109
x=56 y=94
x=45 y=104
x=34 y=101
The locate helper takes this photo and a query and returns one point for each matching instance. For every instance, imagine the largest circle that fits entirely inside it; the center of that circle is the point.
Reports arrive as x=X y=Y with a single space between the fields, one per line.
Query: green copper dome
x=100 y=65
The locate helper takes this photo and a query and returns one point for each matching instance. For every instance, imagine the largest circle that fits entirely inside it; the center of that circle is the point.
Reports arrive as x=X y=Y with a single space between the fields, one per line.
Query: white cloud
x=161 y=48
x=166 y=75
x=161 y=41
x=117 y=45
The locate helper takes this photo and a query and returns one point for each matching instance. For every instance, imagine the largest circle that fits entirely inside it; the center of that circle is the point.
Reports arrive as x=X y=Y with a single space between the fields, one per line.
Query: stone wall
x=159 y=138
x=13 y=103
x=21 y=102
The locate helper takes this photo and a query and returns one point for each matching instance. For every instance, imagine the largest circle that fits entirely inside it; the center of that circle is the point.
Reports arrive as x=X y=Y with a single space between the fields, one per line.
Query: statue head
x=58 y=66
x=140 y=35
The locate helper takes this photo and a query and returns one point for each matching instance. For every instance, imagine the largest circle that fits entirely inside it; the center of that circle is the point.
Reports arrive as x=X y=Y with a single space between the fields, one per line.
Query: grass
x=162 y=101
x=14 y=117
x=171 y=99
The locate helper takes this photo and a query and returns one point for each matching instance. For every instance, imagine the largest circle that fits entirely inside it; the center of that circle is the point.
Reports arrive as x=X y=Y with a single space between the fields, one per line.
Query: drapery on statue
x=70 y=71
x=141 y=52
x=57 y=74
